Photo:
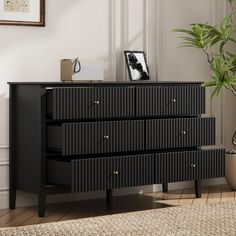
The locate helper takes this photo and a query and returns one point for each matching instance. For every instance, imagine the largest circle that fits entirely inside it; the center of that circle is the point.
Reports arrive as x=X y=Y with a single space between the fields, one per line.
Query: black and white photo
x=137 y=65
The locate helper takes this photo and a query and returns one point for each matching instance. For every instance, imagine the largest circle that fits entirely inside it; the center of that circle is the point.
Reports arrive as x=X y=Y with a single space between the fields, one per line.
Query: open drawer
x=102 y=173
x=96 y=137
x=70 y=103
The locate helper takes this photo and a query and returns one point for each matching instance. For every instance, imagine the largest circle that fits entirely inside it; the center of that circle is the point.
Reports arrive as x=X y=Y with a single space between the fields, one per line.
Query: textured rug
x=211 y=219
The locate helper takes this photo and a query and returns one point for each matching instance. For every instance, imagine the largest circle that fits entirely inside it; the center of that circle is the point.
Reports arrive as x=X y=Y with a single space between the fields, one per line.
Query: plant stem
x=232 y=89
x=209 y=59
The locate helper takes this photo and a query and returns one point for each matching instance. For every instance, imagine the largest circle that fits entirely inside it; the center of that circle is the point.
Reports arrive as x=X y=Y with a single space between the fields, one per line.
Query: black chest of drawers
x=102 y=136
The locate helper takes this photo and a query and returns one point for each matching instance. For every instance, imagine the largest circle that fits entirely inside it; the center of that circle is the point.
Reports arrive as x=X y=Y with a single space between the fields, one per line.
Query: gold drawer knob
x=173 y=100
x=97 y=102
x=115 y=172
x=106 y=136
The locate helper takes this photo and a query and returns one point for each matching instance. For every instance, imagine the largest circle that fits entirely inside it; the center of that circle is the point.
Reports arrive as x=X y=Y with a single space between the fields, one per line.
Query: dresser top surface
x=108 y=83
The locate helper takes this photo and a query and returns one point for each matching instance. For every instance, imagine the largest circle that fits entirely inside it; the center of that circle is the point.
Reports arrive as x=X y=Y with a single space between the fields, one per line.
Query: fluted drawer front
x=181 y=132
x=190 y=165
x=93 y=174
x=89 y=175
x=128 y=171
x=212 y=164
x=102 y=102
x=96 y=137
x=80 y=175
x=170 y=100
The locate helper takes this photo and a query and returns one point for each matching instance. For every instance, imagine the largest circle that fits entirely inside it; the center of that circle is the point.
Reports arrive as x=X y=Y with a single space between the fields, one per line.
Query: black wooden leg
x=12 y=178
x=12 y=198
x=165 y=187
x=198 y=188
x=12 y=148
x=12 y=189
x=109 y=197
x=42 y=204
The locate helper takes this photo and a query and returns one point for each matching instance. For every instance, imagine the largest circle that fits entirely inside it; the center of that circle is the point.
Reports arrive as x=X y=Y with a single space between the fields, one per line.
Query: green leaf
x=222 y=63
x=209 y=83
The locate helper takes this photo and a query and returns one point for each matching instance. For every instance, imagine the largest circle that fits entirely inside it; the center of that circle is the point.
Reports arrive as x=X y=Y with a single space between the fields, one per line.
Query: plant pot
x=230 y=170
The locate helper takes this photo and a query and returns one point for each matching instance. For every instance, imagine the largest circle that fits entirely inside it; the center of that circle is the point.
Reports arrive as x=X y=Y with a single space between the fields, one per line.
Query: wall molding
x=151 y=35
x=4 y=189
x=218 y=12
x=159 y=40
x=4 y=163
x=145 y=28
x=124 y=33
x=112 y=40
x=4 y=146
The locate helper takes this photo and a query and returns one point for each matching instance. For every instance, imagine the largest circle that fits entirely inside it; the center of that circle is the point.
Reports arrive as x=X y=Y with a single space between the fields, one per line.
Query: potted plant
x=213 y=41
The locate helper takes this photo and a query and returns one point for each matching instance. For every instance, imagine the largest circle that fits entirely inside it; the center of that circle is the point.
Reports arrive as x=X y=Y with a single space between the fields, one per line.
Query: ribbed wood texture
x=170 y=100
x=190 y=165
x=181 y=132
x=135 y=170
x=89 y=175
x=102 y=102
x=112 y=172
x=212 y=164
x=102 y=137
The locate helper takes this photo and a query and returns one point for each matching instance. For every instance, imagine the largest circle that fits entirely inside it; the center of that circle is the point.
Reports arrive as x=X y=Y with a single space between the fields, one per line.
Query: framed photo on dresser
x=136 y=65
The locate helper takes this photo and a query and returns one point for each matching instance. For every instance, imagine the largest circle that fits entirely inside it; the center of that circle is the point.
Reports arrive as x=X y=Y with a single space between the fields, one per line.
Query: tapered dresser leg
x=109 y=197
x=12 y=199
x=165 y=187
x=198 y=188
x=41 y=204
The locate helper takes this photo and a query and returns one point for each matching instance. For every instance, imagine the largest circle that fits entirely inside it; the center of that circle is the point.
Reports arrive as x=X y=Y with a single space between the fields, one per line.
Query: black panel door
x=127 y=171
x=102 y=137
x=170 y=100
x=83 y=103
x=177 y=133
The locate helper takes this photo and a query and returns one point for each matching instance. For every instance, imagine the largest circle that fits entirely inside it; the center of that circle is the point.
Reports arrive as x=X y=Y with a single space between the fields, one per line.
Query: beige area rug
x=211 y=219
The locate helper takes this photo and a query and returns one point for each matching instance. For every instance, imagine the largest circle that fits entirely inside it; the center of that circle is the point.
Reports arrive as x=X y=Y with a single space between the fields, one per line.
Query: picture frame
x=22 y=12
x=137 y=65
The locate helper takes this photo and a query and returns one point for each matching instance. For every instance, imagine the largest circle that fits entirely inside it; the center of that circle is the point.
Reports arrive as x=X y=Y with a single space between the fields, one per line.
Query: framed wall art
x=137 y=65
x=22 y=12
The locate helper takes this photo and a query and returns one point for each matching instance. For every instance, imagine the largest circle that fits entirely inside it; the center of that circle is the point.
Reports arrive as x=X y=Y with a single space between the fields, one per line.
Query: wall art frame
x=22 y=12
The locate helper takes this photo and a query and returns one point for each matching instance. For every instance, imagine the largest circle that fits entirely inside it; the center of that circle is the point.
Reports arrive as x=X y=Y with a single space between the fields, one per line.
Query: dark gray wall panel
x=170 y=100
x=100 y=102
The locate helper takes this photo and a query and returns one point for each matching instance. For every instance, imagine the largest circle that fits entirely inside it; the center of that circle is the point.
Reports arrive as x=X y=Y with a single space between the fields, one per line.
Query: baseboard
x=27 y=199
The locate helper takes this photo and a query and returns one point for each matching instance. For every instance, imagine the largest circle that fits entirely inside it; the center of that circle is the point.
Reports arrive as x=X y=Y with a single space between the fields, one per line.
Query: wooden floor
x=91 y=208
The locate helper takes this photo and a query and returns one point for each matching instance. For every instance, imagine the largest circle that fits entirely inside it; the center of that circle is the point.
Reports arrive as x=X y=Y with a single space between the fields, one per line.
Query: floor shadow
x=119 y=204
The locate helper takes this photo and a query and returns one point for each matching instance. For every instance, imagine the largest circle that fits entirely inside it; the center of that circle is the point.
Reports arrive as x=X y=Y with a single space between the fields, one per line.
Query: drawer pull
x=193 y=165
x=106 y=136
x=173 y=100
x=97 y=102
x=115 y=172
x=183 y=132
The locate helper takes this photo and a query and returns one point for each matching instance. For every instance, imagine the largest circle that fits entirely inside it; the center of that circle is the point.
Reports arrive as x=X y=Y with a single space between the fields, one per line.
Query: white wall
x=102 y=29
